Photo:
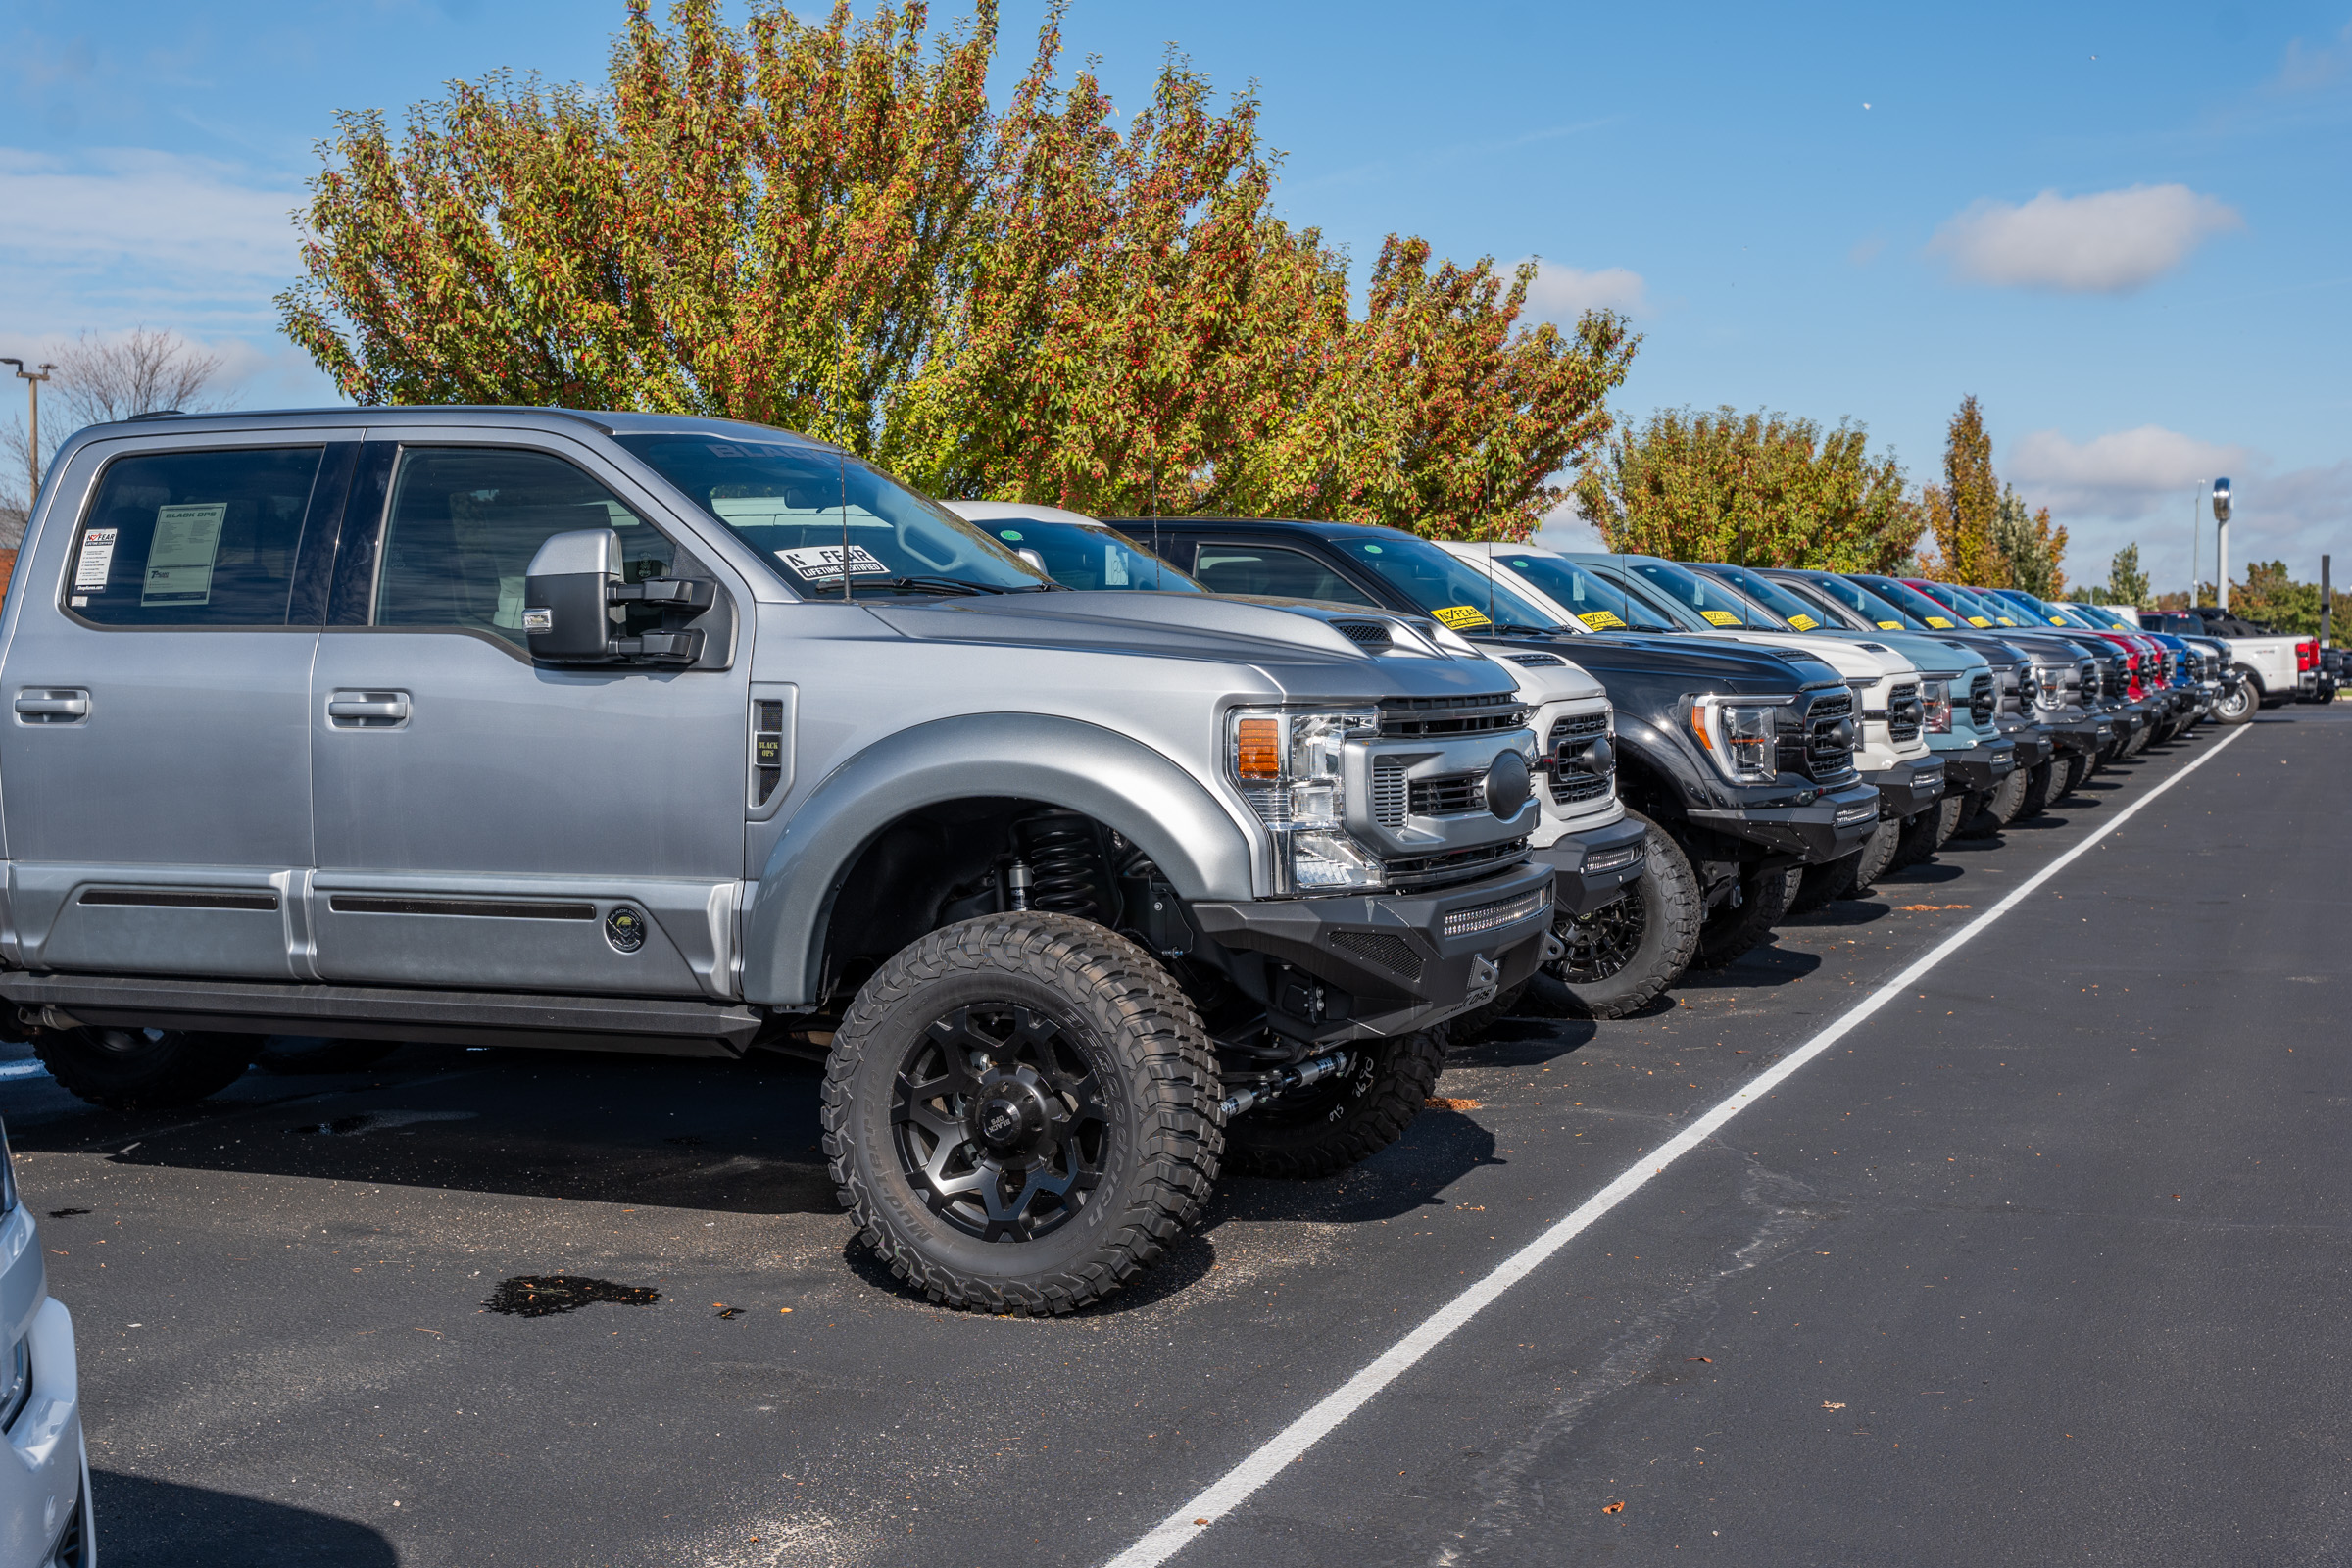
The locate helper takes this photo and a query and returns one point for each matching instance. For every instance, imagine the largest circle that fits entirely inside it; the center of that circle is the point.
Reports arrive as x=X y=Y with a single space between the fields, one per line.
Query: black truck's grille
x=1905 y=713
x=1829 y=747
x=1571 y=738
x=1429 y=717
x=1457 y=866
x=1980 y=701
x=1452 y=796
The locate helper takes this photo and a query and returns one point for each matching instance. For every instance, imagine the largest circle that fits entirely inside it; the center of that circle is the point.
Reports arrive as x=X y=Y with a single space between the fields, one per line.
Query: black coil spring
x=1067 y=874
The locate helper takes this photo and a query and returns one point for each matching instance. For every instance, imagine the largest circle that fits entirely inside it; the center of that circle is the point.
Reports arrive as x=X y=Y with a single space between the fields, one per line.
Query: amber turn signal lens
x=1258 y=749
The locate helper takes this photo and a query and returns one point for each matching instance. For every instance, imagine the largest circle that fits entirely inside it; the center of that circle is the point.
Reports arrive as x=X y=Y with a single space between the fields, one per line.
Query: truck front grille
x=1391 y=797
x=1829 y=754
x=1378 y=947
x=1437 y=717
x=1456 y=795
x=1568 y=738
x=1905 y=713
x=1980 y=701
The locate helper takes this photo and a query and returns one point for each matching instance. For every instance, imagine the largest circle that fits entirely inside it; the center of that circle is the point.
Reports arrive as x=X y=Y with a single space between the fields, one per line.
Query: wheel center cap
x=1006 y=1117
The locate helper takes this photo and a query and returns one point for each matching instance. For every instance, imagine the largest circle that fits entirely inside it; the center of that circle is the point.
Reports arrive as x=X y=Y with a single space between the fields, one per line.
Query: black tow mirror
x=575 y=601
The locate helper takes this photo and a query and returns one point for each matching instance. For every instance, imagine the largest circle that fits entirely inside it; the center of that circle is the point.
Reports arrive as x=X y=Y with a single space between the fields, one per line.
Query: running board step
x=671 y=1026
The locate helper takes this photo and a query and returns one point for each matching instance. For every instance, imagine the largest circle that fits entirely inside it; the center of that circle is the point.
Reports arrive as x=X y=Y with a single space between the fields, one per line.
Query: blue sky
x=2121 y=228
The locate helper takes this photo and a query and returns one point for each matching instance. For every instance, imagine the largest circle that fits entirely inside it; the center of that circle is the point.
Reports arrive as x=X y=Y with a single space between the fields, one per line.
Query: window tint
x=466 y=522
x=1272 y=571
x=1599 y=606
x=1446 y=588
x=1090 y=559
x=193 y=538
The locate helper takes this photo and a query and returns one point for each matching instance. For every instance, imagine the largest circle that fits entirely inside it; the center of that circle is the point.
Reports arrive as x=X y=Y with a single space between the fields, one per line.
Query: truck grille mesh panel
x=1378 y=947
x=1571 y=786
x=1828 y=755
x=1456 y=795
x=1390 y=795
x=1980 y=701
x=1459 y=865
x=1426 y=717
x=1367 y=633
x=1904 y=713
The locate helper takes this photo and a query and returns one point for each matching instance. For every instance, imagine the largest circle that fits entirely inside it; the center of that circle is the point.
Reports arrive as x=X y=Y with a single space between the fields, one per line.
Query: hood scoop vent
x=1365 y=633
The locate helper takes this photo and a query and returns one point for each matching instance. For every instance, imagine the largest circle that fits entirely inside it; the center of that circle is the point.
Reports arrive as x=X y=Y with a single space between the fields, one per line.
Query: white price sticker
x=823 y=563
x=97 y=558
x=180 y=555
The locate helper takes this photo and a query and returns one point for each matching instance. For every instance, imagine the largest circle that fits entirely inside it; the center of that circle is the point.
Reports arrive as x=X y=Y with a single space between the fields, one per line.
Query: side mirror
x=574 y=600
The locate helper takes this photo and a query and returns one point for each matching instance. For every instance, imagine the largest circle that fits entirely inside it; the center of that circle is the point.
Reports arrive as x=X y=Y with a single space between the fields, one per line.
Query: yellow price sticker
x=1802 y=621
x=1978 y=622
x=1891 y=625
x=1461 y=617
x=2004 y=620
x=1940 y=623
x=1721 y=618
x=1600 y=619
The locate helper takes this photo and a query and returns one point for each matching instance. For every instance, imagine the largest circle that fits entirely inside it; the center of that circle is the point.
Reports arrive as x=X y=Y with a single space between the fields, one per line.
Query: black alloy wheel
x=998 y=1117
x=1627 y=952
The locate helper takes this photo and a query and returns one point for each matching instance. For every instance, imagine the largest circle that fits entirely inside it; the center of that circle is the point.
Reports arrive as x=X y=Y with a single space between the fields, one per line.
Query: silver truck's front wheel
x=144 y=1070
x=1021 y=1113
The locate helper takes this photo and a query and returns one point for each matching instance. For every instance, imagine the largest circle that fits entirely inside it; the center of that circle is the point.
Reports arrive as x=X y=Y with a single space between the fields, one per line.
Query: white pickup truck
x=2277 y=668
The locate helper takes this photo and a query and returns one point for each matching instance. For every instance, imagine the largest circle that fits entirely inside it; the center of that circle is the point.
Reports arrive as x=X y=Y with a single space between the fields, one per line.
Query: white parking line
x=1228 y=1490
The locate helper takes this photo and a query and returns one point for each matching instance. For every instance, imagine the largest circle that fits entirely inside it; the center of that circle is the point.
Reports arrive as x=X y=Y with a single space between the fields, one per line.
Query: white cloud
x=2306 y=68
x=185 y=219
x=2122 y=475
x=2109 y=242
x=1561 y=294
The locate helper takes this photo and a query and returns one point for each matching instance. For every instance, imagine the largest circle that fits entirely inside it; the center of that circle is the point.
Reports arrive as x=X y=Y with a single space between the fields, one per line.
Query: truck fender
x=1193 y=838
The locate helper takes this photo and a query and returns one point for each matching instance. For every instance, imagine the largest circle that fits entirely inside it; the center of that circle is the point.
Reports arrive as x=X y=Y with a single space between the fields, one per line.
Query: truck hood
x=1852 y=660
x=1698 y=664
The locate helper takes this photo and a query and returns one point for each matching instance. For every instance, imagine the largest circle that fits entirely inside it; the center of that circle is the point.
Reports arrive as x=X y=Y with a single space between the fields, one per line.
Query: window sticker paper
x=822 y=562
x=1979 y=620
x=1460 y=616
x=1940 y=623
x=179 y=559
x=1114 y=568
x=1891 y=625
x=1802 y=621
x=1721 y=618
x=97 y=558
x=1600 y=619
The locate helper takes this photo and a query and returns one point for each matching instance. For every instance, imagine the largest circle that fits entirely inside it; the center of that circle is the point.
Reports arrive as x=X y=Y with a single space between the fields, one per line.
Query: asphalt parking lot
x=2045 y=1261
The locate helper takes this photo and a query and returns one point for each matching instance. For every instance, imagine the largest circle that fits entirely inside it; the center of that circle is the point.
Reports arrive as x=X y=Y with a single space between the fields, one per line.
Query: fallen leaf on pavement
x=1614 y=1507
x=1827 y=1406
x=1443 y=1103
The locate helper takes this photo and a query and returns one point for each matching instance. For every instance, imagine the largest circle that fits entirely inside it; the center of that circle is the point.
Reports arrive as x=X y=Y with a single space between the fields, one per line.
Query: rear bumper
x=1591 y=869
x=1981 y=768
x=1908 y=787
x=1834 y=824
x=1401 y=960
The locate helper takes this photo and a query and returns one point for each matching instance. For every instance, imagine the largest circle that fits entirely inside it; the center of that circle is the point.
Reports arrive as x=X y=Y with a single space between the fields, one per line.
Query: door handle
x=53 y=706
x=368 y=709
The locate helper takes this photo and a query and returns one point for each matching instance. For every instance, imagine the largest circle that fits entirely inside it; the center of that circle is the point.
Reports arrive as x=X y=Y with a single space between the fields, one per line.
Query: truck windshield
x=1601 y=606
x=829 y=526
x=1647 y=599
x=1088 y=558
x=1775 y=597
x=1926 y=612
x=1447 y=589
x=1862 y=602
x=1713 y=601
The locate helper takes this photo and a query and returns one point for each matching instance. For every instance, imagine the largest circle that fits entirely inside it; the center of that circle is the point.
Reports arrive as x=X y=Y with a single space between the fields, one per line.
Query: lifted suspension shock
x=1282 y=1080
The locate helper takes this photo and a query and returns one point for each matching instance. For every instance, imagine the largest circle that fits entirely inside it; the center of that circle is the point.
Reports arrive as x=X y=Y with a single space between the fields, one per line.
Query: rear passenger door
x=487 y=824
x=156 y=752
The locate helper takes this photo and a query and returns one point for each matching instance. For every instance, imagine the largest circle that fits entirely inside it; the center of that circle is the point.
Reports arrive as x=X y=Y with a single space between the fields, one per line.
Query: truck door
x=157 y=761
x=486 y=823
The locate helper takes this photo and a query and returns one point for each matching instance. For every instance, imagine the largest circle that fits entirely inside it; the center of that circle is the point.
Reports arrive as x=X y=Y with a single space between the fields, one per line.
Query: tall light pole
x=2220 y=539
x=32 y=388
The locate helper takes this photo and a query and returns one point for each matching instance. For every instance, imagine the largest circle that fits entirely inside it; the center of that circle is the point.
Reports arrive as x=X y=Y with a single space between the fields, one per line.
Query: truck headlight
x=1738 y=734
x=1936 y=696
x=2049 y=686
x=1287 y=766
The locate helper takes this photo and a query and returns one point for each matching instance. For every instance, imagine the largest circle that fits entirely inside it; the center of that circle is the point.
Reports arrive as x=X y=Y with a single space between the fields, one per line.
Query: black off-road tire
x=1729 y=933
x=1327 y=1127
x=2041 y=788
x=144 y=1070
x=1956 y=810
x=1826 y=883
x=1464 y=1027
x=1925 y=833
x=2000 y=806
x=295 y=1055
x=1110 y=1006
x=1876 y=856
x=1658 y=918
x=2080 y=766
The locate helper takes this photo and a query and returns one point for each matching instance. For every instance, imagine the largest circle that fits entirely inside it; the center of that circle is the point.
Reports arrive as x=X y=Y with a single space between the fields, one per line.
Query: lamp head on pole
x=2220 y=500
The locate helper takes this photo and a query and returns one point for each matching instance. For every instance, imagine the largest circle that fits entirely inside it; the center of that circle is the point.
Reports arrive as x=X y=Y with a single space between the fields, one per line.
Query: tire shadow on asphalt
x=147 y=1523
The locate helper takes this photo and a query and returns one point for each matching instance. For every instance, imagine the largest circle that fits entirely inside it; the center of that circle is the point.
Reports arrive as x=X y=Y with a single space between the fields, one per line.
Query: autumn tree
x=2126 y=583
x=2026 y=551
x=828 y=228
x=1962 y=510
x=1758 y=488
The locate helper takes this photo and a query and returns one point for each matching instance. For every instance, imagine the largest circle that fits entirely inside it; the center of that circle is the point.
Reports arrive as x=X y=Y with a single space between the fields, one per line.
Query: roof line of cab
x=544 y=415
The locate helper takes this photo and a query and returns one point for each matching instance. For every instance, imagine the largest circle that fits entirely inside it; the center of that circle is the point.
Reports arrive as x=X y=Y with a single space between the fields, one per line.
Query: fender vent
x=1535 y=660
x=1366 y=633
x=1378 y=947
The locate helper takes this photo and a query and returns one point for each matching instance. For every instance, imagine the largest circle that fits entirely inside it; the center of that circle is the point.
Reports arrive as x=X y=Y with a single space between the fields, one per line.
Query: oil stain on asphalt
x=545 y=1294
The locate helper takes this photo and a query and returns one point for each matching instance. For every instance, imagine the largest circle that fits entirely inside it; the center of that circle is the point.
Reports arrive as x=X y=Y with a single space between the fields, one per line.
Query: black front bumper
x=1357 y=966
x=1834 y=824
x=2078 y=734
x=1908 y=787
x=2035 y=746
x=1592 y=869
x=1980 y=769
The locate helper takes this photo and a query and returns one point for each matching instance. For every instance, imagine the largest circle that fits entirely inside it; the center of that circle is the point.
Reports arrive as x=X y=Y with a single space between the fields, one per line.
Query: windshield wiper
x=930 y=585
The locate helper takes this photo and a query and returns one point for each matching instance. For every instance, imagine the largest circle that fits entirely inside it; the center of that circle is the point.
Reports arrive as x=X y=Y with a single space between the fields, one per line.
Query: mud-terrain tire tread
x=2000 y=806
x=1180 y=1139
x=1402 y=1076
x=1675 y=917
x=1876 y=856
x=2041 y=788
x=183 y=1067
x=1727 y=937
x=1824 y=884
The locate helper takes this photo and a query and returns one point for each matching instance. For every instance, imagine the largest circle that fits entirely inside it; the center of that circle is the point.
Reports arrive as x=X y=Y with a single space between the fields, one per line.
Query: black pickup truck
x=1741 y=760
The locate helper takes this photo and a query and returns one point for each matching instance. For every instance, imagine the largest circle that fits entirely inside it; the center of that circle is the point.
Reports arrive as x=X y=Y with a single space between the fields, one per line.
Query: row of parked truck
x=1092 y=857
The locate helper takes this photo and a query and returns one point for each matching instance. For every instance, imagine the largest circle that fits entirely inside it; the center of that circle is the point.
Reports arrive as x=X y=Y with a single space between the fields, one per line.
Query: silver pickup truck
x=537 y=727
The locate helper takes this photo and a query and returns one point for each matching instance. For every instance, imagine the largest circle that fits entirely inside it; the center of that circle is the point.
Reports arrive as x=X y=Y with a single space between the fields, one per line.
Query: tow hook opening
x=1283 y=1080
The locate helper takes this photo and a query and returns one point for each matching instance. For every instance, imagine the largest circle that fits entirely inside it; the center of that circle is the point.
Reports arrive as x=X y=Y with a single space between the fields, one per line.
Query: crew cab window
x=1272 y=571
x=202 y=538
x=466 y=522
